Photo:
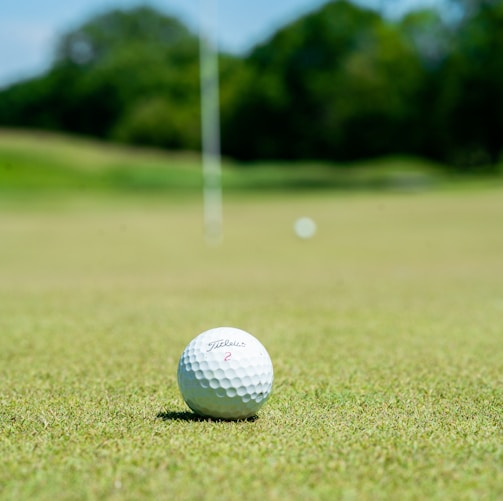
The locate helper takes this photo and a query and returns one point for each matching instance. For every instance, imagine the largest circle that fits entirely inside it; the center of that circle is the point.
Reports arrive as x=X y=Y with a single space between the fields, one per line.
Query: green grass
x=37 y=163
x=385 y=331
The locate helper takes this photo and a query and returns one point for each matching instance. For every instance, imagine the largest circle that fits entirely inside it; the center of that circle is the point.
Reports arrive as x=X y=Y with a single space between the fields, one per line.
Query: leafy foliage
x=474 y=80
x=105 y=73
x=341 y=83
x=104 y=35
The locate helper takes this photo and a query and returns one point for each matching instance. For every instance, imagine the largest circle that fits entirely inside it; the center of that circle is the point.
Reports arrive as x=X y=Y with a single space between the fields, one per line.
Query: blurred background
x=328 y=83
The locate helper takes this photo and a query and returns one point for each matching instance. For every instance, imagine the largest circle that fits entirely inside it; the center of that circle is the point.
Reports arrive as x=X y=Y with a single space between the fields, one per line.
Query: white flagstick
x=210 y=123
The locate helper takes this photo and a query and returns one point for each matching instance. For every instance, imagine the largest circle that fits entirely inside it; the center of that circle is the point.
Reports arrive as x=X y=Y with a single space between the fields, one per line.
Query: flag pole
x=210 y=124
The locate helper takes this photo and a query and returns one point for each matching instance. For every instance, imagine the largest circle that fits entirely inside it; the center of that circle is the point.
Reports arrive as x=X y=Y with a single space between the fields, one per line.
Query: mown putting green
x=385 y=331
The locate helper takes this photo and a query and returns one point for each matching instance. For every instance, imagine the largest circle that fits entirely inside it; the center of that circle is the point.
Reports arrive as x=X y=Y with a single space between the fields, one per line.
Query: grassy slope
x=42 y=162
x=385 y=331
x=51 y=162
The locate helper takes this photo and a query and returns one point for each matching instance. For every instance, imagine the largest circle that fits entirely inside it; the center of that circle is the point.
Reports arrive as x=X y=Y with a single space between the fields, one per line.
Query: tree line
x=341 y=83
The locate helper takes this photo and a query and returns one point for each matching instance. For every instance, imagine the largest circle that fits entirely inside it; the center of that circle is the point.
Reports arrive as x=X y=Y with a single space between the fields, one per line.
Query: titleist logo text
x=224 y=343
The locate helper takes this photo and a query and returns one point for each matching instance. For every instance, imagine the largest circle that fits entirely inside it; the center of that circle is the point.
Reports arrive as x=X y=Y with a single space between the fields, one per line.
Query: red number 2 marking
x=227 y=356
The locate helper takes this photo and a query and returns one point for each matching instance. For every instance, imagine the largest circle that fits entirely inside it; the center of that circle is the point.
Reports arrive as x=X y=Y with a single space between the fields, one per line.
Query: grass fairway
x=386 y=334
x=385 y=330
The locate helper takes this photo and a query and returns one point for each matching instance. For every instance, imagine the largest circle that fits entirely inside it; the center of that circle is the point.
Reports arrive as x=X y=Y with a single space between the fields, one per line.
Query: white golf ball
x=304 y=227
x=225 y=373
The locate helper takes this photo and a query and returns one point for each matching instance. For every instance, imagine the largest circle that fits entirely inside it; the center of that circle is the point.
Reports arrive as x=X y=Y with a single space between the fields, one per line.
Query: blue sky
x=29 y=29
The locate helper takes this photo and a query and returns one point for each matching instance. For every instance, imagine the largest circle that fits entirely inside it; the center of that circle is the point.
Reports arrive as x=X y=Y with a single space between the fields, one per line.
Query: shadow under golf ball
x=192 y=416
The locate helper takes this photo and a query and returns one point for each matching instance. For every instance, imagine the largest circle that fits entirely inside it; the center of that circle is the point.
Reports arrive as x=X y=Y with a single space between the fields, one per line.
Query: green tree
x=472 y=90
x=154 y=121
x=341 y=83
x=104 y=35
x=432 y=38
x=106 y=71
x=338 y=83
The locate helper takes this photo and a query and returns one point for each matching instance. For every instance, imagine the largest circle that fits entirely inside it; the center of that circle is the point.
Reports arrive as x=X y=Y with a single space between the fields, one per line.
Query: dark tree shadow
x=191 y=416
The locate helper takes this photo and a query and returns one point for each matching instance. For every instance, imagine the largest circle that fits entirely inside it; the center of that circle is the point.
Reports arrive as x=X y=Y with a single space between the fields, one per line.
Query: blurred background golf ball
x=225 y=373
x=304 y=228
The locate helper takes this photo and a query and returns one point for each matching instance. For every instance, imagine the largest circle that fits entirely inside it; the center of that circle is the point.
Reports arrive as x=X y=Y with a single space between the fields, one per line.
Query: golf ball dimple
x=225 y=373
